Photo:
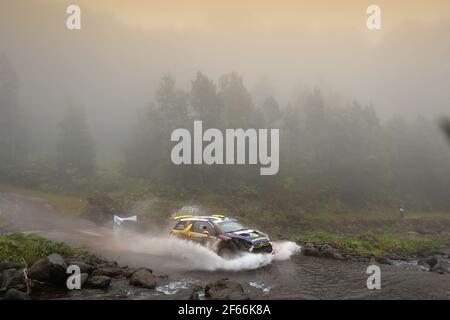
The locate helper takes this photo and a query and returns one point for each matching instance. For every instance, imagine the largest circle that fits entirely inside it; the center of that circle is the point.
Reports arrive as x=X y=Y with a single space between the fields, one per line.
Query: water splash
x=193 y=256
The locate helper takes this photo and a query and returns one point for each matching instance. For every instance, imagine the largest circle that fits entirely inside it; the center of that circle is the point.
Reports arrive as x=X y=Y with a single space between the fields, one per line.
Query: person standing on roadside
x=402 y=213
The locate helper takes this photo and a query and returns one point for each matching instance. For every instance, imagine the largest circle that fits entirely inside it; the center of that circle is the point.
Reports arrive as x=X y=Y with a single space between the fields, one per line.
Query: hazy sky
x=114 y=63
x=236 y=14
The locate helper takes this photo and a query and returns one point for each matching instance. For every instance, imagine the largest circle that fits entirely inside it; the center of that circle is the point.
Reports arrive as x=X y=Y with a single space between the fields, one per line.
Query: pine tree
x=76 y=146
x=205 y=101
x=445 y=124
x=13 y=135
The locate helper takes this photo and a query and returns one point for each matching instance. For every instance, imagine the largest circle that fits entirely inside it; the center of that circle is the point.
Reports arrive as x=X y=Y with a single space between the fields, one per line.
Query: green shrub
x=27 y=249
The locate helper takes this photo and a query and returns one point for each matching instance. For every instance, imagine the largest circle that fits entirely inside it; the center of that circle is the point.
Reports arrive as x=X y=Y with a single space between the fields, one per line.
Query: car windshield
x=231 y=226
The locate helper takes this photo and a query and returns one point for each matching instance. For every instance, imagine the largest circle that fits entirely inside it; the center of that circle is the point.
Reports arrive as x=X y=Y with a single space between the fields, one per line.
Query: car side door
x=202 y=231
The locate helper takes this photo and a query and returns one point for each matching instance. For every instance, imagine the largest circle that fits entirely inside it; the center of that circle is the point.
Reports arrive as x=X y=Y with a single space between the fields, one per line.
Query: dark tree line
x=75 y=149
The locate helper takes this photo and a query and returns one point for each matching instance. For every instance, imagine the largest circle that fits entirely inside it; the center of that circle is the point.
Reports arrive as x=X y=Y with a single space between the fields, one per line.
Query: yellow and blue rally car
x=225 y=235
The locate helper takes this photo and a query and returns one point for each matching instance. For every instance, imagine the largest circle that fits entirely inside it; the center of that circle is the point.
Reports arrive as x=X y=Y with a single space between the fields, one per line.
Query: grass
x=27 y=249
x=429 y=215
x=65 y=204
x=381 y=215
x=376 y=222
x=384 y=244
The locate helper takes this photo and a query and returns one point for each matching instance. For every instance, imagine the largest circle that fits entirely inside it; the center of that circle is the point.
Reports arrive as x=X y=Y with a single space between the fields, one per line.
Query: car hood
x=253 y=236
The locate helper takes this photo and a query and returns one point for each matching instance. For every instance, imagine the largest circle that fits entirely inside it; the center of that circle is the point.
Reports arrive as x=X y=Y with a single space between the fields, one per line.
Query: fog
x=357 y=109
x=113 y=65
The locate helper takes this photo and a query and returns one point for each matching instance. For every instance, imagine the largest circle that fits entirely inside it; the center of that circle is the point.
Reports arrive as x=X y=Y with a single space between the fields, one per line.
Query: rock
x=14 y=294
x=111 y=272
x=314 y=252
x=429 y=252
x=128 y=272
x=51 y=270
x=40 y=270
x=83 y=279
x=9 y=265
x=143 y=278
x=107 y=264
x=195 y=295
x=384 y=260
x=58 y=268
x=323 y=251
x=225 y=289
x=327 y=251
x=431 y=261
x=84 y=267
x=442 y=267
x=365 y=258
x=98 y=282
x=395 y=257
x=12 y=278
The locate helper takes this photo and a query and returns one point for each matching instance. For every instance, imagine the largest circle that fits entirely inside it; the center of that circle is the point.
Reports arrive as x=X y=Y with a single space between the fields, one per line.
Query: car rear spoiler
x=181 y=217
x=190 y=216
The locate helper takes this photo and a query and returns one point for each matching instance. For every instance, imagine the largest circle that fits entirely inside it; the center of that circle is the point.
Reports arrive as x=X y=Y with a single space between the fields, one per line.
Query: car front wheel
x=227 y=250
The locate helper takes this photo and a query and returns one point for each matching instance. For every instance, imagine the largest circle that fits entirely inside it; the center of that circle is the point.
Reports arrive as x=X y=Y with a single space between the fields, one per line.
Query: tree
x=148 y=151
x=76 y=146
x=445 y=125
x=13 y=135
x=205 y=101
x=420 y=164
x=172 y=103
x=271 y=111
x=144 y=154
x=238 y=107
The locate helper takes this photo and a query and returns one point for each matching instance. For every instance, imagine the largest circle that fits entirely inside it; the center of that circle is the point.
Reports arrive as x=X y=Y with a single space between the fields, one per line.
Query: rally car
x=226 y=236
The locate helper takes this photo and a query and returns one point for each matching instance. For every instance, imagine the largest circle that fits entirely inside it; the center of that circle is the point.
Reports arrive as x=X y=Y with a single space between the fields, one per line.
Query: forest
x=334 y=156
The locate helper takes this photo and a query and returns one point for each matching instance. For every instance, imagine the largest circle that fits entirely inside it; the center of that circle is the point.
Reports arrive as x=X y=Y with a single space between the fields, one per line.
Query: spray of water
x=193 y=256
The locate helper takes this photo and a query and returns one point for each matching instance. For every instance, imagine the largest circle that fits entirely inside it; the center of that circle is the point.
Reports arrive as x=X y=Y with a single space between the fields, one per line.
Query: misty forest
x=222 y=150
x=334 y=156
